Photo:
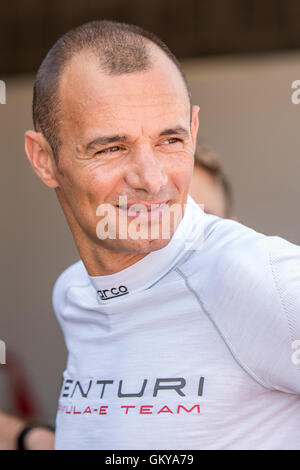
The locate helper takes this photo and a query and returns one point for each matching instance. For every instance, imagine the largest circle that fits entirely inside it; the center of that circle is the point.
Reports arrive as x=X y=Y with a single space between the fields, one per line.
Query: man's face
x=128 y=135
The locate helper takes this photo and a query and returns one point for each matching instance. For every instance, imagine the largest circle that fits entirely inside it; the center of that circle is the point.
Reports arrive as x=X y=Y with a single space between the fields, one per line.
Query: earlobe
x=39 y=157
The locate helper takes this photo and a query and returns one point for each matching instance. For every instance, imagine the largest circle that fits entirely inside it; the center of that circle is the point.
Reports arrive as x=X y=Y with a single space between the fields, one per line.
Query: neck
x=99 y=261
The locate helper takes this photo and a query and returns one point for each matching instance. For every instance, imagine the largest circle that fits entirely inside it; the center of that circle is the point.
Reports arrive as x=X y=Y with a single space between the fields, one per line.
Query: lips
x=143 y=206
x=145 y=211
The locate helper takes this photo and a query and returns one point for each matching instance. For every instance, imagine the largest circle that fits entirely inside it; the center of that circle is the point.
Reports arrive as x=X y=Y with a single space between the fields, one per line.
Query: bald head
x=117 y=48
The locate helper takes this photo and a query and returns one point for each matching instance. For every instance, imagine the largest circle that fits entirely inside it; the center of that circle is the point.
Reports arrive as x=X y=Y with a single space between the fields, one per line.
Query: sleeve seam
x=278 y=290
x=227 y=342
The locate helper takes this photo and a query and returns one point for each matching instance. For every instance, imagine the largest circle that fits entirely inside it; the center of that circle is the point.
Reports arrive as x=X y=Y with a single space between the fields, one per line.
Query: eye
x=172 y=140
x=115 y=148
x=172 y=144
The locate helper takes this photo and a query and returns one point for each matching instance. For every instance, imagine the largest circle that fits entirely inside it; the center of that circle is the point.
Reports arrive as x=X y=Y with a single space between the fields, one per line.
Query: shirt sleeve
x=268 y=328
x=249 y=287
x=285 y=267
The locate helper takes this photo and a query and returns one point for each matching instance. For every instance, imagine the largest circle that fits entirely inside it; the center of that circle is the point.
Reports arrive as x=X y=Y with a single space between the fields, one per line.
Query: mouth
x=145 y=211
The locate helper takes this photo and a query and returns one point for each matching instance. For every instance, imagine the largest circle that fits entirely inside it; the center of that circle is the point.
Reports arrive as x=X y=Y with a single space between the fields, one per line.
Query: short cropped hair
x=206 y=159
x=120 y=48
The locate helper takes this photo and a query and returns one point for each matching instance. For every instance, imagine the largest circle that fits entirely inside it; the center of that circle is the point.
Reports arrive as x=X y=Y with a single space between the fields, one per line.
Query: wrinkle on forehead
x=125 y=118
x=122 y=99
x=92 y=99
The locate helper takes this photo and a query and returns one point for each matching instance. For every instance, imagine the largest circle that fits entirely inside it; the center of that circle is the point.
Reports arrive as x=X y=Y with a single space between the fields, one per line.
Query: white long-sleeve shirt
x=196 y=346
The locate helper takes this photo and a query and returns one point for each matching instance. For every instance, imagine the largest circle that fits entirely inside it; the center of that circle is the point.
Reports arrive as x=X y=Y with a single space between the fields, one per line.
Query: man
x=209 y=185
x=176 y=340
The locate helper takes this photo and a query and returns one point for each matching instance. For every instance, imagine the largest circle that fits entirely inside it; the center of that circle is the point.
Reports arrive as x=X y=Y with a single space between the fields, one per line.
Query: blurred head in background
x=209 y=185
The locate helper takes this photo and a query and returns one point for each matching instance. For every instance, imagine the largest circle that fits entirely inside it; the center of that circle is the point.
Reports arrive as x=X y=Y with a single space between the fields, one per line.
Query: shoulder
x=75 y=275
x=227 y=245
x=231 y=268
x=249 y=286
x=241 y=258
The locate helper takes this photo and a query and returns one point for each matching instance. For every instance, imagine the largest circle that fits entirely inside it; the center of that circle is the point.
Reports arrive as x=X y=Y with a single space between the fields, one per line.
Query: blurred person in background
x=209 y=185
x=17 y=434
x=19 y=425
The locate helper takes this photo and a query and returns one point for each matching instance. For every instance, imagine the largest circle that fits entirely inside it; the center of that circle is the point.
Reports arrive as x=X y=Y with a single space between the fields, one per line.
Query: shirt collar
x=150 y=269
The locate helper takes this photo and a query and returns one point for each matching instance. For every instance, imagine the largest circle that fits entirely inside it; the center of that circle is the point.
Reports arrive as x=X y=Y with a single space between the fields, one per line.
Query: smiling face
x=123 y=135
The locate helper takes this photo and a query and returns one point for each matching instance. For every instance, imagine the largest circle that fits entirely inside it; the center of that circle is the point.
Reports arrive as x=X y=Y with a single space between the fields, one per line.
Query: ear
x=195 y=124
x=41 y=158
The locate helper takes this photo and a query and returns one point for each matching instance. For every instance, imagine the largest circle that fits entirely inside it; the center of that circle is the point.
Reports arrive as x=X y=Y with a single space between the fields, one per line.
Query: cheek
x=92 y=183
x=101 y=183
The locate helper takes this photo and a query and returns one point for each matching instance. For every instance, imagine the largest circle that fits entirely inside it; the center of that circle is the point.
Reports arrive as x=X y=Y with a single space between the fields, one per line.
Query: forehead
x=91 y=98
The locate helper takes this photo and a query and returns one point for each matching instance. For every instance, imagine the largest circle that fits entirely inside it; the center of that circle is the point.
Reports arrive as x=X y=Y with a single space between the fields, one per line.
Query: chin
x=158 y=244
x=138 y=246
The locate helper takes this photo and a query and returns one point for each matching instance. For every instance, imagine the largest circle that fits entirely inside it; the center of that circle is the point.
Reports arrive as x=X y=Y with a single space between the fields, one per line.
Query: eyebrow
x=175 y=131
x=105 y=140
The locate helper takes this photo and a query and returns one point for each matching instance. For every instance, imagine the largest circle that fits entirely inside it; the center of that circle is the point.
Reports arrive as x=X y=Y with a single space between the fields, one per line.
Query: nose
x=147 y=171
